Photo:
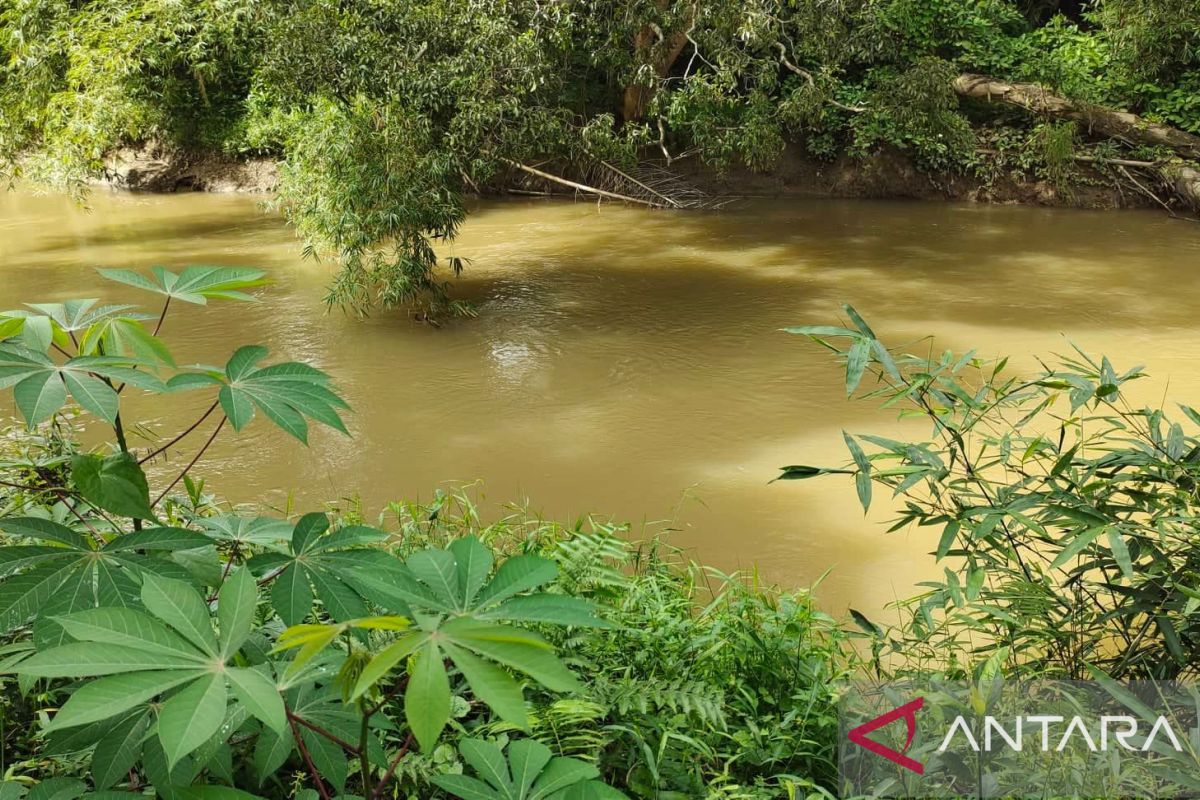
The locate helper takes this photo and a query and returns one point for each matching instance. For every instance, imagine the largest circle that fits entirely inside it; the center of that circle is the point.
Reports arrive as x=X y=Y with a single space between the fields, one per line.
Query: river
x=628 y=363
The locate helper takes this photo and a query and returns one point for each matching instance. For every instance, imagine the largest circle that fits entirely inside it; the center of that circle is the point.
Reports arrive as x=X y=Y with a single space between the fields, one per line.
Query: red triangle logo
x=907 y=712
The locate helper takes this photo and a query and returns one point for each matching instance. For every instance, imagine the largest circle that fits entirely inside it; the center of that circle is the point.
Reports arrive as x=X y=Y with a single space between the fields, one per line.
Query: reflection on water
x=629 y=362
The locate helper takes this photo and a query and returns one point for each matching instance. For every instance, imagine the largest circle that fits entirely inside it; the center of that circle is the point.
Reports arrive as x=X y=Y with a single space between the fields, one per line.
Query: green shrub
x=153 y=640
x=1064 y=515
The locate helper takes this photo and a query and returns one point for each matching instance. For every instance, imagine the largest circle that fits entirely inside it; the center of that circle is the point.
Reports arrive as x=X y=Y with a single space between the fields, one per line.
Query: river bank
x=888 y=174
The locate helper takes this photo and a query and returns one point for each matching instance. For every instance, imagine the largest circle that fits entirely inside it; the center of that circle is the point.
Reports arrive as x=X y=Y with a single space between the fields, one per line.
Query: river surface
x=628 y=363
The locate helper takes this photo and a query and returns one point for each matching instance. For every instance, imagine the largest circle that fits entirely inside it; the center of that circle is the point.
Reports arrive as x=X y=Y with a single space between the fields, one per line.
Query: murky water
x=629 y=362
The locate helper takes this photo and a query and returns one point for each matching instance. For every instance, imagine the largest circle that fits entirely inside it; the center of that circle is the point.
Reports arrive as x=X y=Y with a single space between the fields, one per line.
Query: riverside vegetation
x=385 y=114
x=157 y=641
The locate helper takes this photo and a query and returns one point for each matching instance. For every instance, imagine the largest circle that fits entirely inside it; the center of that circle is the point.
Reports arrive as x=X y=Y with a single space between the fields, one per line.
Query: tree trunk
x=1105 y=121
x=1182 y=179
x=637 y=96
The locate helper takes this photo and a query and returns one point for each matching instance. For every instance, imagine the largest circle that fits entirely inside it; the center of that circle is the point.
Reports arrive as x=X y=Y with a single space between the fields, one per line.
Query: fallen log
x=1183 y=180
x=1107 y=122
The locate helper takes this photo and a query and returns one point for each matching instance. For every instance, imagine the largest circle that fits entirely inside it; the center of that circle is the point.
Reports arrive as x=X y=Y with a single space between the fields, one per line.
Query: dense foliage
x=158 y=641
x=1064 y=514
x=385 y=113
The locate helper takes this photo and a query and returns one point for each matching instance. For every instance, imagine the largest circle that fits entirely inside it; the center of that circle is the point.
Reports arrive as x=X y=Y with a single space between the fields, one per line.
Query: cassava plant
x=1064 y=513
x=199 y=653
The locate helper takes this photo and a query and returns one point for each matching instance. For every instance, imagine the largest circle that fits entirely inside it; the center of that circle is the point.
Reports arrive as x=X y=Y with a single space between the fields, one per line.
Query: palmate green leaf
x=124 y=336
x=337 y=598
x=40 y=386
x=87 y=659
x=141 y=656
x=75 y=315
x=328 y=757
x=38 y=334
x=437 y=569
x=528 y=771
x=288 y=394
x=163 y=539
x=488 y=761
x=114 y=483
x=316 y=564
x=14 y=559
x=491 y=684
x=25 y=594
x=19 y=363
x=292 y=595
x=270 y=753
x=517 y=574
x=325 y=706
x=93 y=395
x=308 y=527
x=459 y=611
x=10 y=326
x=195 y=284
x=262 y=531
x=552 y=609
x=133 y=371
x=45 y=530
x=51 y=581
x=467 y=788
x=515 y=648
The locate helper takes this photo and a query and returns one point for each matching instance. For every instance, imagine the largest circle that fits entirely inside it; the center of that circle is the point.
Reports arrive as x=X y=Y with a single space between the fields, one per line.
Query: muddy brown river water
x=629 y=363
